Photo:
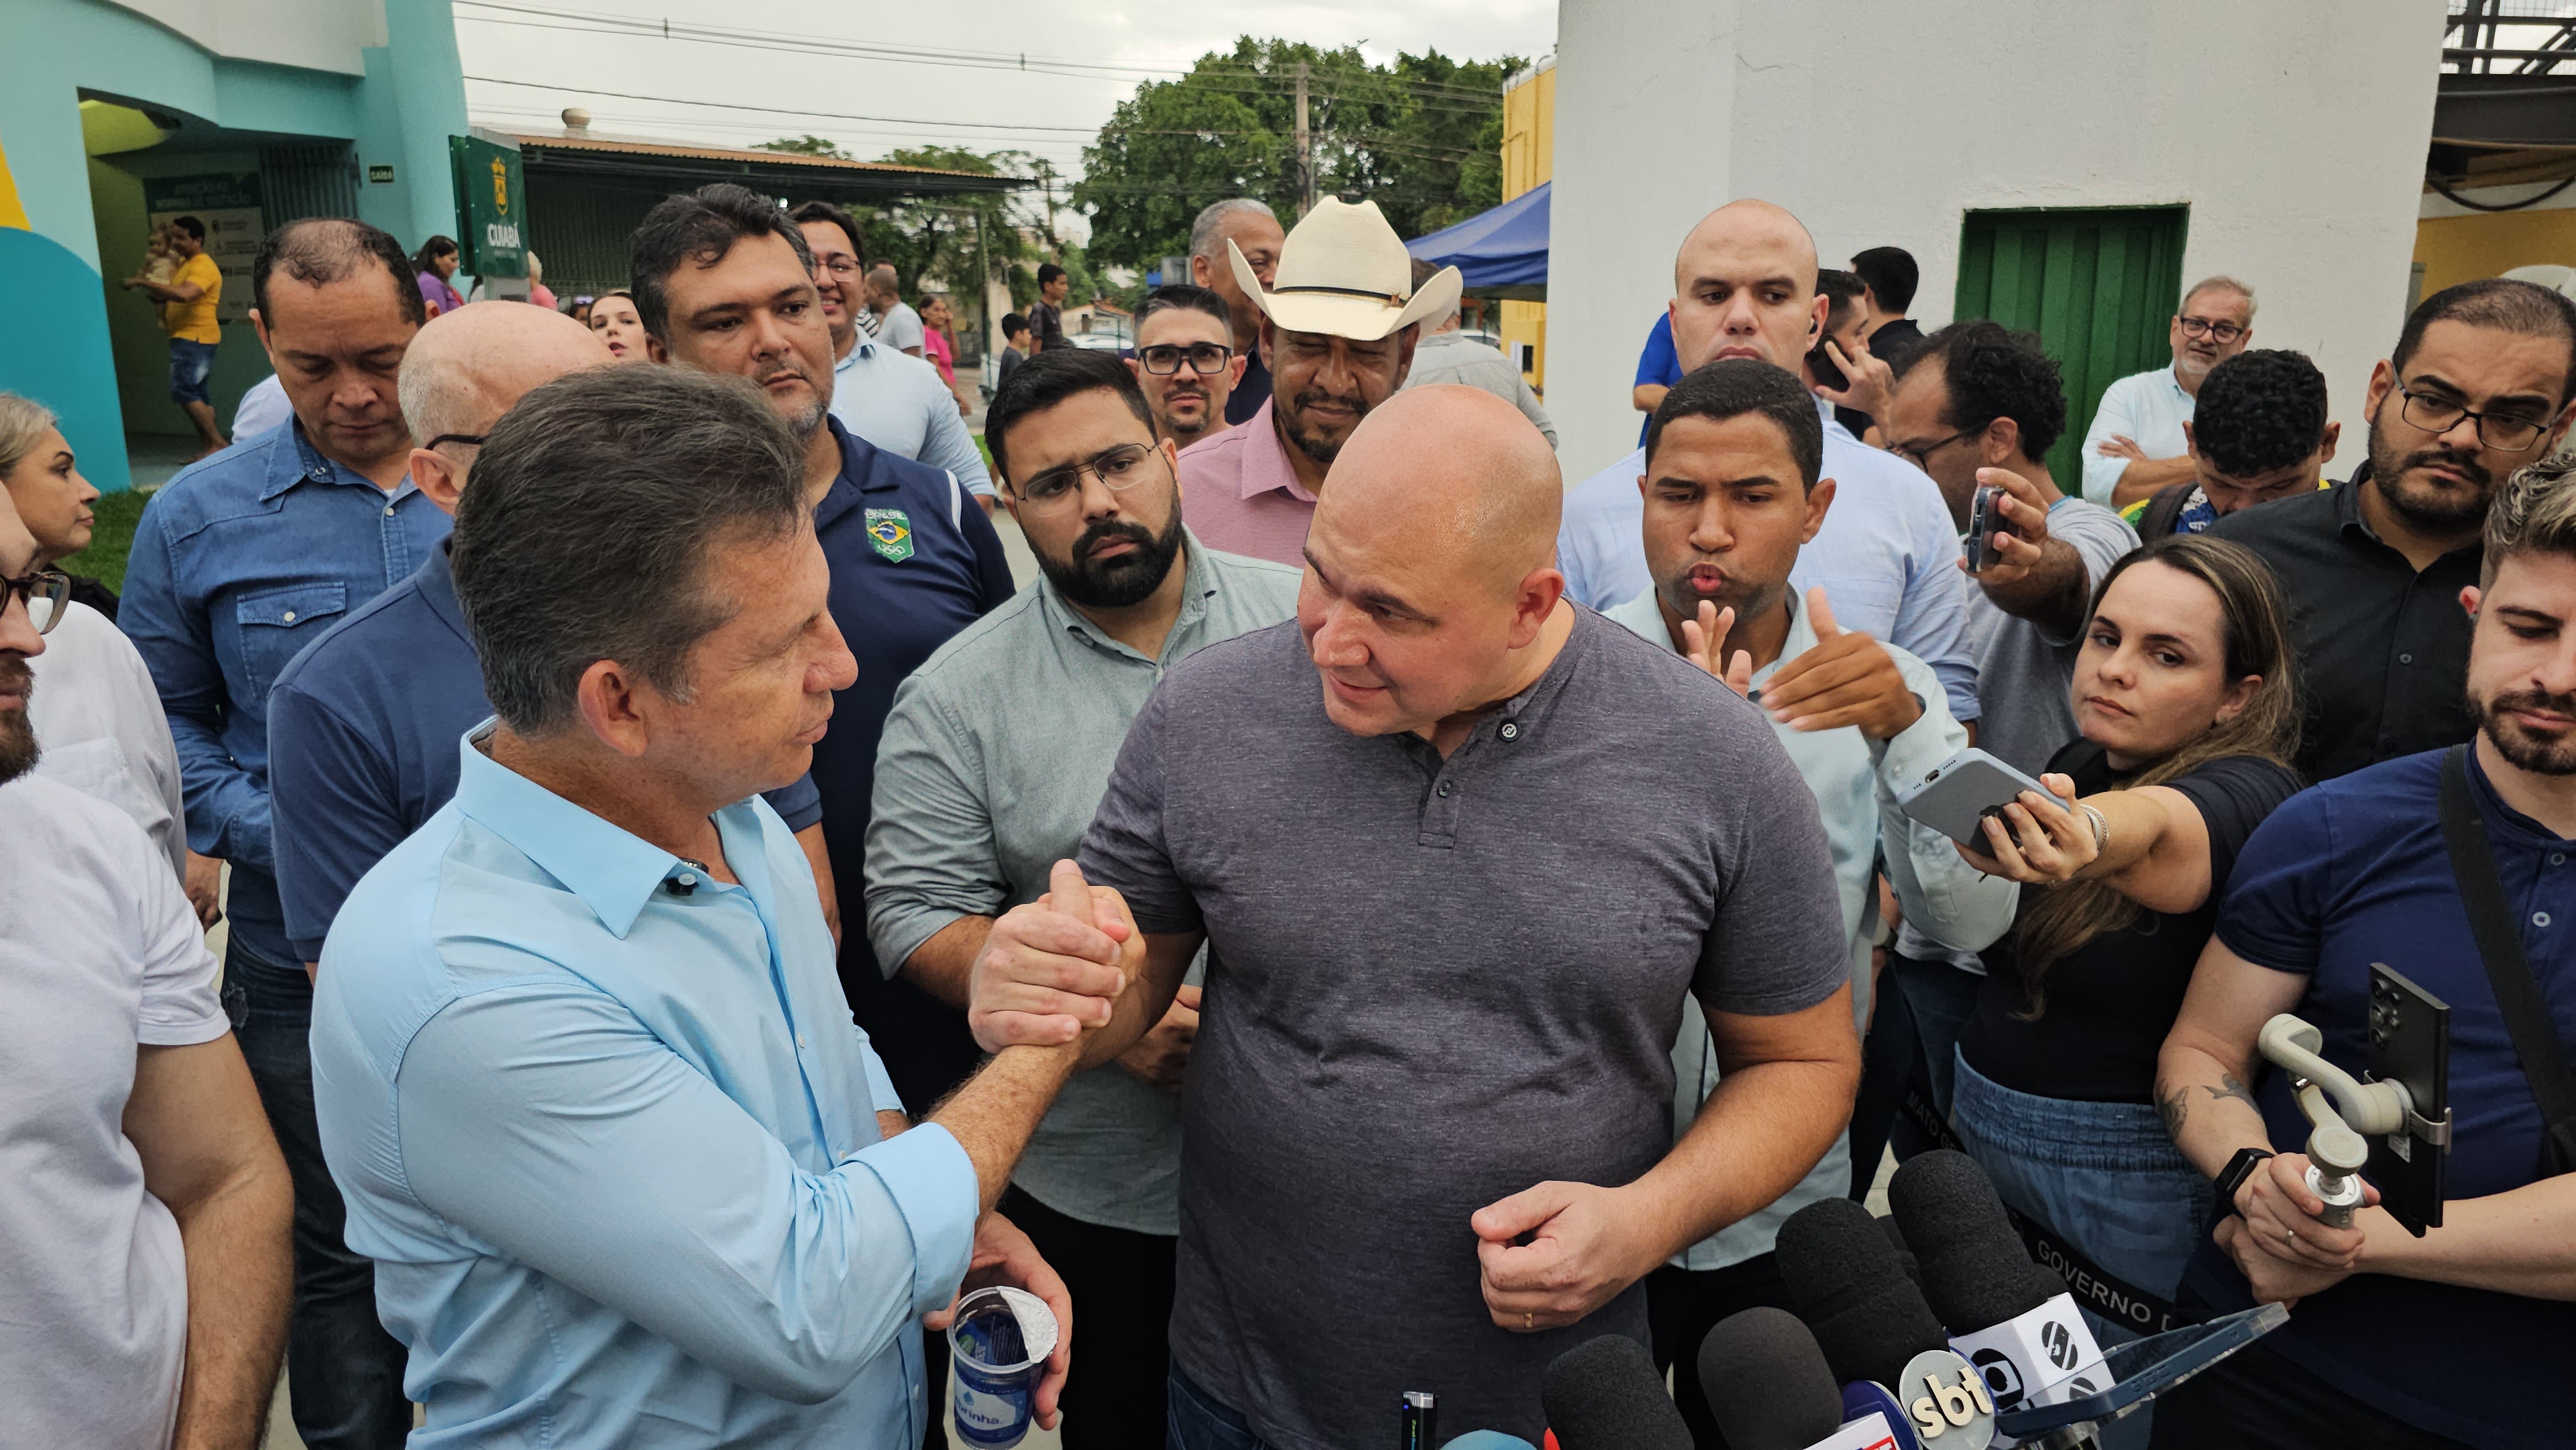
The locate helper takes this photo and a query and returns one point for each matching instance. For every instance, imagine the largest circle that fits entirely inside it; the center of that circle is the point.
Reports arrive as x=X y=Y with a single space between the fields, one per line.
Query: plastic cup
x=998 y=1350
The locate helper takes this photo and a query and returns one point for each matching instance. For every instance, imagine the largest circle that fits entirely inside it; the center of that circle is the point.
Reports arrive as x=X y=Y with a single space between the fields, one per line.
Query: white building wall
x=313 y=34
x=2294 y=129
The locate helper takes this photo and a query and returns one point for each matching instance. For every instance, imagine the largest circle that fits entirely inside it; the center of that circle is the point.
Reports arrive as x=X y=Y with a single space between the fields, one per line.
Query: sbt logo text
x=1949 y=1406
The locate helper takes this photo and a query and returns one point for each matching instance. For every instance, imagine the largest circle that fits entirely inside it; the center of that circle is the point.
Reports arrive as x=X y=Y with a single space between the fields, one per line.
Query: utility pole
x=1305 y=150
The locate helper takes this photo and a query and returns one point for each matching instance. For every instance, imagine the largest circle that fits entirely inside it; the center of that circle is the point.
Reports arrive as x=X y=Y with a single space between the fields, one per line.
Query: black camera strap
x=2517 y=993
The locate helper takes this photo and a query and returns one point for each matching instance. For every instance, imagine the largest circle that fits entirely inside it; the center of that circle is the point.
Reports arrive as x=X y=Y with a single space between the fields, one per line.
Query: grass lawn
x=104 y=559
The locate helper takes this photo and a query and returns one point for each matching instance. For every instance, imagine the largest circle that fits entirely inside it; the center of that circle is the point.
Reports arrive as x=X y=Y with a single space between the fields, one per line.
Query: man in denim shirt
x=239 y=563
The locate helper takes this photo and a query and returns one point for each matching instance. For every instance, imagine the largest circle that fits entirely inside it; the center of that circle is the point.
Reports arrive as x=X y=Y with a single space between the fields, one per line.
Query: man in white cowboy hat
x=1338 y=331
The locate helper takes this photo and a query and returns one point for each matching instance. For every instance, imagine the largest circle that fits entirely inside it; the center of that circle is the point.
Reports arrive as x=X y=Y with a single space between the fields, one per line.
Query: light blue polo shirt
x=606 y=1128
x=1855 y=781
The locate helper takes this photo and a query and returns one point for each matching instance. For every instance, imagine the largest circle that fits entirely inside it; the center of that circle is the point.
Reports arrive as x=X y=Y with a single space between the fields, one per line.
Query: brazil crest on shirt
x=891 y=531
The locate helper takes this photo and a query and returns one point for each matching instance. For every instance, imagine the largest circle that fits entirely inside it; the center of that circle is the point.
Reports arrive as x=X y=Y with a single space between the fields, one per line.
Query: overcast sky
x=914 y=103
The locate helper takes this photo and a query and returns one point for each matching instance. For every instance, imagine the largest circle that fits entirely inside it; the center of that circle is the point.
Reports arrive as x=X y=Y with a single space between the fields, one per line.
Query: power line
x=776 y=110
x=595 y=23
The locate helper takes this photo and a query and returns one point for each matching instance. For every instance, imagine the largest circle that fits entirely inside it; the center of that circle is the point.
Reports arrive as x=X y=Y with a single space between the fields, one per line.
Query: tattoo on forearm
x=2229 y=1087
x=2176 y=1108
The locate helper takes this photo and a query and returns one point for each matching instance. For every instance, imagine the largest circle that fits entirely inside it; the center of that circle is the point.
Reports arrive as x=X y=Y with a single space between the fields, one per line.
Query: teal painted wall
x=62 y=337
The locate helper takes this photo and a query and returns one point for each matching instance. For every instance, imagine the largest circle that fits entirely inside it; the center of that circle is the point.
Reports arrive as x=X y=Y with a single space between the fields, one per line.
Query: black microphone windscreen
x=1843 y=1279
x=1904 y=1251
x=1767 y=1383
x=1976 y=1271
x=1606 y=1394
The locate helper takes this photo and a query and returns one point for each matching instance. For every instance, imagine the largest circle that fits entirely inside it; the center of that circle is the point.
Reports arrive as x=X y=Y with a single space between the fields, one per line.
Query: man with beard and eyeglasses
x=2479 y=385
x=1338 y=332
x=2399 y=1340
x=992 y=765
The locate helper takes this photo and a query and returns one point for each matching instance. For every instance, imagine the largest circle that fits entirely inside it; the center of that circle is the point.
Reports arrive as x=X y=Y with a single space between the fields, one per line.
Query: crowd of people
x=1367 y=918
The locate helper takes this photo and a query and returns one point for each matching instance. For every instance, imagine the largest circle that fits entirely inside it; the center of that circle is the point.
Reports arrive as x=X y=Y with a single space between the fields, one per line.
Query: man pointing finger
x=1427 y=1139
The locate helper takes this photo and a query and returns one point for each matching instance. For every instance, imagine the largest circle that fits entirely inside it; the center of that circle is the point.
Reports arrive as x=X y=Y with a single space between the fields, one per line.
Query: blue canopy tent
x=1501 y=253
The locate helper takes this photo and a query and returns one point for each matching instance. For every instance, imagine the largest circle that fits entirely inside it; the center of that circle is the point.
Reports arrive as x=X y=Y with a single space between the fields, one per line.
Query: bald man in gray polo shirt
x=1459 y=850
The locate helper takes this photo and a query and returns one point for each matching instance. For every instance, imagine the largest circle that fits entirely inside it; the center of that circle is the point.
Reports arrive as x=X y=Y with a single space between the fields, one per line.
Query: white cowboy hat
x=1345 y=272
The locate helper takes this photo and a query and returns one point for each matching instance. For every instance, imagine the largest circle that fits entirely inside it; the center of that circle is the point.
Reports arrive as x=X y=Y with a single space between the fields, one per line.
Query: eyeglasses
x=2219 y=332
x=838 y=266
x=474 y=438
x=1118 y=469
x=1164 y=359
x=50 y=588
x=1922 y=457
x=2505 y=434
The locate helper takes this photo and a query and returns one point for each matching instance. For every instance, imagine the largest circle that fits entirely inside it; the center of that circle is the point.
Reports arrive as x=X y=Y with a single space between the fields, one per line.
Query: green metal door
x=2099 y=286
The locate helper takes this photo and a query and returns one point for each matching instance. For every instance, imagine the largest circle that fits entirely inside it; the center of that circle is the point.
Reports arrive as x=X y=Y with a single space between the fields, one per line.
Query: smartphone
x=1985 y=520
x=1956 y=796
x=2410 y=1043
x=1827 y=374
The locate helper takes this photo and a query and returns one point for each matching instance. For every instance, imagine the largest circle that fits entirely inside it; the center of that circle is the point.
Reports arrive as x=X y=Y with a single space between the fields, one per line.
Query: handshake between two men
x=1071 y=971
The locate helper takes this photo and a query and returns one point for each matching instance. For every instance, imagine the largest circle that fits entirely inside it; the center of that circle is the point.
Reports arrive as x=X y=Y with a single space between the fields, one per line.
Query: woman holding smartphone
x=2188 y=719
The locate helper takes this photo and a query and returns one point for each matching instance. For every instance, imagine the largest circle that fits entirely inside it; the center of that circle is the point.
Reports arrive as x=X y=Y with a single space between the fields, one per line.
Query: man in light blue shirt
x=629 y=1174
x=1732 y=493
x=1745 y=286
x=975 y=803
x=890 y=397
x=2136 y=444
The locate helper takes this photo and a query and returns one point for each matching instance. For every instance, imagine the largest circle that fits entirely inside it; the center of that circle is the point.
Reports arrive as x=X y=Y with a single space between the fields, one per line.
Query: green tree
x=805 y=146
x=1421 y=138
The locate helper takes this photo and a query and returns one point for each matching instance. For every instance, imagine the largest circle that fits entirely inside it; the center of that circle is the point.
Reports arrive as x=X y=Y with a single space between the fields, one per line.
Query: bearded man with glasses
x=1185 y=362
x=991 y=767
x=2479 y=385
x=2136 y=444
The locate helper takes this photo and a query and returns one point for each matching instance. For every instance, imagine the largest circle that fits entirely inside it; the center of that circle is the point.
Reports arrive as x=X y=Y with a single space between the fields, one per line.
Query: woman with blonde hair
x=2187 y=707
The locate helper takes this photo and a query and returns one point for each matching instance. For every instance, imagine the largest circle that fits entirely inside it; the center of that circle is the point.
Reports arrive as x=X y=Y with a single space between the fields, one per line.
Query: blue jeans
x=2104 y=1176
x=190 y=362
x=1942 y=998
x=344 y=1372
x=1196 y=1420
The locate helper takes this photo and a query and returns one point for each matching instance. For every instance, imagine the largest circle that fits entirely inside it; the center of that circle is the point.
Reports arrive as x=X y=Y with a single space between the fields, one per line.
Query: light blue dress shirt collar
x=615 y=872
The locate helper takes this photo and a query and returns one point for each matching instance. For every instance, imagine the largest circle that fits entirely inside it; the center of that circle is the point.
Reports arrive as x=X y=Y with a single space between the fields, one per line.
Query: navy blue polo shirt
x=362 y=732
x=914 y=560
x=2354 y=872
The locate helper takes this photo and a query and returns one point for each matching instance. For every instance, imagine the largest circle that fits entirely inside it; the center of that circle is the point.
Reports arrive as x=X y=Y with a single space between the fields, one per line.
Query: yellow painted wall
x=2465 y=248
x=1529 y=157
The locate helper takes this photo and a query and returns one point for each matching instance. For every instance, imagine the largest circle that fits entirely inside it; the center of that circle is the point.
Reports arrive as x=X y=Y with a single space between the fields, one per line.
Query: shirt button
x=1444 y=789
x=289 y=616
x=2557 y=858
x=2540 y=918
x=688 y=878
x=389 y=510
x=2406 y=659
x=1510 y=731
x=800 y=1040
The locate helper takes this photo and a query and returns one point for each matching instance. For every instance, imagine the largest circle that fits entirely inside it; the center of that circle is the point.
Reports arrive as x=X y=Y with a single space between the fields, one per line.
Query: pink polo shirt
x=1240 y=495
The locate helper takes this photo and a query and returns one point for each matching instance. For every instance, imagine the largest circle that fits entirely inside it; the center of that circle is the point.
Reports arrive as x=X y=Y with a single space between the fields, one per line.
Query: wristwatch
x=2233 y=1176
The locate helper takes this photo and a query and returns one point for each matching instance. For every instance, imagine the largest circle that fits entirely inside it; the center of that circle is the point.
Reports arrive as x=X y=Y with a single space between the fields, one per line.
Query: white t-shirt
x=99 y=955
x=100 y=723
x=901 y=329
